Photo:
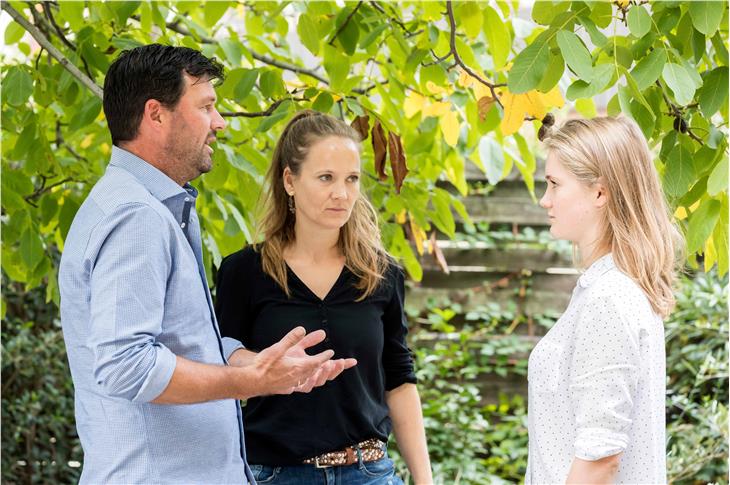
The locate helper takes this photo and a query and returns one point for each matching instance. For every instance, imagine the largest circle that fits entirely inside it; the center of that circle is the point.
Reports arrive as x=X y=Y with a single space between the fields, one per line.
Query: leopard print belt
x=368 y=450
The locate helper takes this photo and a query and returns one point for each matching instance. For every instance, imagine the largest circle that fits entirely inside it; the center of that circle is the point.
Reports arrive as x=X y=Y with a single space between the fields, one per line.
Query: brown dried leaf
x=438 y=255
x=362 y=125
x=379 y=150
x=484 y=105
x=397 y=160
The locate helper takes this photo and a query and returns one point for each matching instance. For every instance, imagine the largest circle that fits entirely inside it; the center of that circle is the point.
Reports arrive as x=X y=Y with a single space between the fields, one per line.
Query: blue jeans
x=379 y=472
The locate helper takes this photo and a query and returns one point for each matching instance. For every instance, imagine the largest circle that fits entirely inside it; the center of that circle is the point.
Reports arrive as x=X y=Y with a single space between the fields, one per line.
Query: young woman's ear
x=601 y=193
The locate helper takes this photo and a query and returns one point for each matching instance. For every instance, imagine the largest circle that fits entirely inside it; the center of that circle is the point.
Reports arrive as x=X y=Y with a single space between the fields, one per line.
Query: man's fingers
x=280 y=348
x=339 y=366
x=312 y=339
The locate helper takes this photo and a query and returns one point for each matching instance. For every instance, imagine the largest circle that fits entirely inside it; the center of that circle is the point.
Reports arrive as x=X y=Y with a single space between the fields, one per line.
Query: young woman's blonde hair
x=638 y=227
x=359 y=238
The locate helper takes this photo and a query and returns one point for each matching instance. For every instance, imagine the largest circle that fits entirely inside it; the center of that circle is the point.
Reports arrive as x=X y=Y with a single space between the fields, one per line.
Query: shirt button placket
x=324 y=321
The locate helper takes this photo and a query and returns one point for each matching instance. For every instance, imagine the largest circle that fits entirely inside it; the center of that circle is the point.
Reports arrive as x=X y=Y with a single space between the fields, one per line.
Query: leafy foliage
x=446 y=82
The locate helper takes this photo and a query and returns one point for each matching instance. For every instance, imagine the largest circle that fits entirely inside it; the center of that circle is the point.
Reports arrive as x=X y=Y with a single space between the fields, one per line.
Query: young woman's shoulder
x=618 y=290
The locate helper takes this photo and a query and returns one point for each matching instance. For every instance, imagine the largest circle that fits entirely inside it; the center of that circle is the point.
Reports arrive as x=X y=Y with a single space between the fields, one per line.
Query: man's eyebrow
x=210 y=99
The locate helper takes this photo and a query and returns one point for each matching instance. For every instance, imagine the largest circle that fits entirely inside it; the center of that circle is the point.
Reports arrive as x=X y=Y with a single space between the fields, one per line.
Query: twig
x=55 y=53
x=30 y=198
x=61 y=35
x=394 y=19
x=344 y=24
x=677 y=113
x=255 y=114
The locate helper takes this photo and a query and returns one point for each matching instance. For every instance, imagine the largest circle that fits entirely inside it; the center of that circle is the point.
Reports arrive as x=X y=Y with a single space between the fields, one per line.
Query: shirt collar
x=599 y=267
x=159 y=185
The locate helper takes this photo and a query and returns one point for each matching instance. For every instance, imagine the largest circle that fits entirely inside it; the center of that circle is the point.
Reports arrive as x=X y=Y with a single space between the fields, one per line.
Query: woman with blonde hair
x=597 y=379
x=321 y=265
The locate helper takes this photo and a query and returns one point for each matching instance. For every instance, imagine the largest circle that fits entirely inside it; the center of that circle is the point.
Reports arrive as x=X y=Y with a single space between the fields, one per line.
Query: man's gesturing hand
x=285 y=366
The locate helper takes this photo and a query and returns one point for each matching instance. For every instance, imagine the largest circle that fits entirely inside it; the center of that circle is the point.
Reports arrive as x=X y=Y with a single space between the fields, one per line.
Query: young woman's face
x=328 y=183
x=573 y=207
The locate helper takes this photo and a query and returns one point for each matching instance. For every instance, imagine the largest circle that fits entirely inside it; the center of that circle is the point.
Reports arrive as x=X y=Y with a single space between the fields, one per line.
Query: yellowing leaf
x=515 y=107
x=710 y=254
x=413 y=103
x=86 y=142
x=622 y=3
x=436 y=89
x=436 y=109
x=465 y=80
x=419 y=235
x=481 y=91
x=680 y=213
x=400 y=217
x=450 y=126
x=484 y=105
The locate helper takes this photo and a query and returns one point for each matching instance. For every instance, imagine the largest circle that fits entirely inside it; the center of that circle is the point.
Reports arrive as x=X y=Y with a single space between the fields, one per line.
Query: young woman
x=322 y=266
x=597 y=379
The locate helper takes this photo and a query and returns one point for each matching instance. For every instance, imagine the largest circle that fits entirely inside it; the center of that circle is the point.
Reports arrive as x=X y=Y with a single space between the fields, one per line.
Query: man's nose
x=217 y=122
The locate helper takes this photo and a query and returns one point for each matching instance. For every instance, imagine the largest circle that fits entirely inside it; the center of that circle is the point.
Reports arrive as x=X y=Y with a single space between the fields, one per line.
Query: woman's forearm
x=601 y=471
x=407 y=417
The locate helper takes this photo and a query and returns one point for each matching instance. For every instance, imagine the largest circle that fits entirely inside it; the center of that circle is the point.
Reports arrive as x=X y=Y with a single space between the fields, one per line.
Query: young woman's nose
x=545 y=201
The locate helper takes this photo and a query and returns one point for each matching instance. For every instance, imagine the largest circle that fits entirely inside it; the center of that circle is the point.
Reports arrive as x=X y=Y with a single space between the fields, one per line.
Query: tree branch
x=676 y=111
x=344 y=24
x=457 y=58
x=55 y=53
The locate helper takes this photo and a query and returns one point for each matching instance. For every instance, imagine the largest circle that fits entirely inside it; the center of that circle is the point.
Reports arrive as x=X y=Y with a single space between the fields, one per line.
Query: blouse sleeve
x=603 y=378
x=232 y=303
x=397 y=358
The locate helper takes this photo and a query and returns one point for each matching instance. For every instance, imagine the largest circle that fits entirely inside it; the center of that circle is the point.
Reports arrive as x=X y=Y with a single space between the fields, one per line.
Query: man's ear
x=153 y=117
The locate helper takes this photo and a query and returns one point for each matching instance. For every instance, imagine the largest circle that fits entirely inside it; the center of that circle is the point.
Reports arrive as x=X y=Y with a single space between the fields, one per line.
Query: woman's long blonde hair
x=639 y=230
x=359 y=240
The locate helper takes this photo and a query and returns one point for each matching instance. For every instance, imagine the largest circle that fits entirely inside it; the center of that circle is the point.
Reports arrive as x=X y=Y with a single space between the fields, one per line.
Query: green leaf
x=529 y=66
x=492 y=158
x=713 y=93
x=720 y=236
x=213 y=11
x=526 y=164
x=597 y=37
x=470 y=18
x=372 y=35
x=31 y=248
x=639 y=21
x=602 y=74
x=86 y=115
x=544 y=12
x=575 y=54
x=323 y=103
x=13 y=33
x=706 y=16
x=498 y=37
x=17 y=86
x=232 y=49
x=679 y=82
x=679 y=172
x=337 y=66
x=350 y=34
x=271 y=84
x=245 y=83
x=717 y=181
x=443 y=218
x=648 y=70
x=124 y=10
x=701 y=223
x=554 y=72
x=602 y=14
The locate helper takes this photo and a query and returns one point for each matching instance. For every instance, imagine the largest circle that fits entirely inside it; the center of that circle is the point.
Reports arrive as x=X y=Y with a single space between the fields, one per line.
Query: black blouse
x=284 y=430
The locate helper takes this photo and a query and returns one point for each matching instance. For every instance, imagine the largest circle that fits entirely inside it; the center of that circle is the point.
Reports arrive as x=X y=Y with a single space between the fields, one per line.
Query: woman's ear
x=287 y=180
x=601 y=194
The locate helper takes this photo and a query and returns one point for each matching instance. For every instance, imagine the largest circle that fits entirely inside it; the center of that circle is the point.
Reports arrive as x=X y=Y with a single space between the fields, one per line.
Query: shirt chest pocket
x=545 y=367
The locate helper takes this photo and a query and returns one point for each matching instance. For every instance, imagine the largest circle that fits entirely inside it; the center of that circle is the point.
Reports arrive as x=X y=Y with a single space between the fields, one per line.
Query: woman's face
x=328 y=183
x=574 y=208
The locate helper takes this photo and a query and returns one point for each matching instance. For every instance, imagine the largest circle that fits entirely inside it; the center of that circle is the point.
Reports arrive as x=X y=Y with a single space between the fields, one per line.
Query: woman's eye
x=354 y=178
x=325 y=177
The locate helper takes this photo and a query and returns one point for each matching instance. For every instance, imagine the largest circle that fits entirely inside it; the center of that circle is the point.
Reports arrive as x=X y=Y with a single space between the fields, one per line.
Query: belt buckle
x=317 y=464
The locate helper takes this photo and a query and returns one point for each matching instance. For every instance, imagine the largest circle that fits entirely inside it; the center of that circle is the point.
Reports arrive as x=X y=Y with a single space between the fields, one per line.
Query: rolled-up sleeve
x=397 y=358
x=603 y=378
x=129 y=261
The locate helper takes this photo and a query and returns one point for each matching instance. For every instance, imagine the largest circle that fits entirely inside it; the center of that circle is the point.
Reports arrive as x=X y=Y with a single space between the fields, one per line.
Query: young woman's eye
x=354 y=178
x=325 y=178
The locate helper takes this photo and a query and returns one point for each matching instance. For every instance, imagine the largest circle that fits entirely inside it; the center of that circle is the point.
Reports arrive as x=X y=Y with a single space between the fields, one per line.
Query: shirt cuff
x=230 y=345
x=159 y=376
x=592 y=444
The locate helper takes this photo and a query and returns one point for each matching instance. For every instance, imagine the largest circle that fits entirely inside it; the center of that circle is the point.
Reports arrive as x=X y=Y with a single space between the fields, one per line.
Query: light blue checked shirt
x=133 y=296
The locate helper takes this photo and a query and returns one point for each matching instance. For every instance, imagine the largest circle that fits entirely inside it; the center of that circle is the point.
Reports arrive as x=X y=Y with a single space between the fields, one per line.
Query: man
x=156 y=387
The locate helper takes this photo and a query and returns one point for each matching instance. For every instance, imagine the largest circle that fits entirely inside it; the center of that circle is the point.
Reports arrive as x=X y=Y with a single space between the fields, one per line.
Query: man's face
x=193 y=128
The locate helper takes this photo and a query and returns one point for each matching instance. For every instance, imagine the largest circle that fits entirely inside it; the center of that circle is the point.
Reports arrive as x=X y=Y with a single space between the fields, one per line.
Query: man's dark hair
x=150 y=72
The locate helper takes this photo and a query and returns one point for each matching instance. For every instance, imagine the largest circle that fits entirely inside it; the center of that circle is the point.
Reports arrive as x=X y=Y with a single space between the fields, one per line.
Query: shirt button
x=187 y=199
x=327 y=339
x=183 y=225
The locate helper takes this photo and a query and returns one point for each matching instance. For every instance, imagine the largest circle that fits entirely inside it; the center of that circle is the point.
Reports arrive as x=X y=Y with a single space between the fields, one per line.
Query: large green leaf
x=639 y=21
x=31 y=247
x=308 y=33
x=679 y=171
x=529 y=66
x=17 y=86
x=492 y=158
x=470 y=18
x=717 y=181
x=648 y=70
x=337 y=66
x=213 y=11
x=575 y=54
x=680 y=82
x=713 y=93
x=13 y=33
x=701 y=223
x=497 y=35
x=602 y=74
x=706 y=16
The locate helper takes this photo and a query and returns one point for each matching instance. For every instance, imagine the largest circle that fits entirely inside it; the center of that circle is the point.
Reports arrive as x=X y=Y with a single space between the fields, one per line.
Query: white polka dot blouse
x=597 y=383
